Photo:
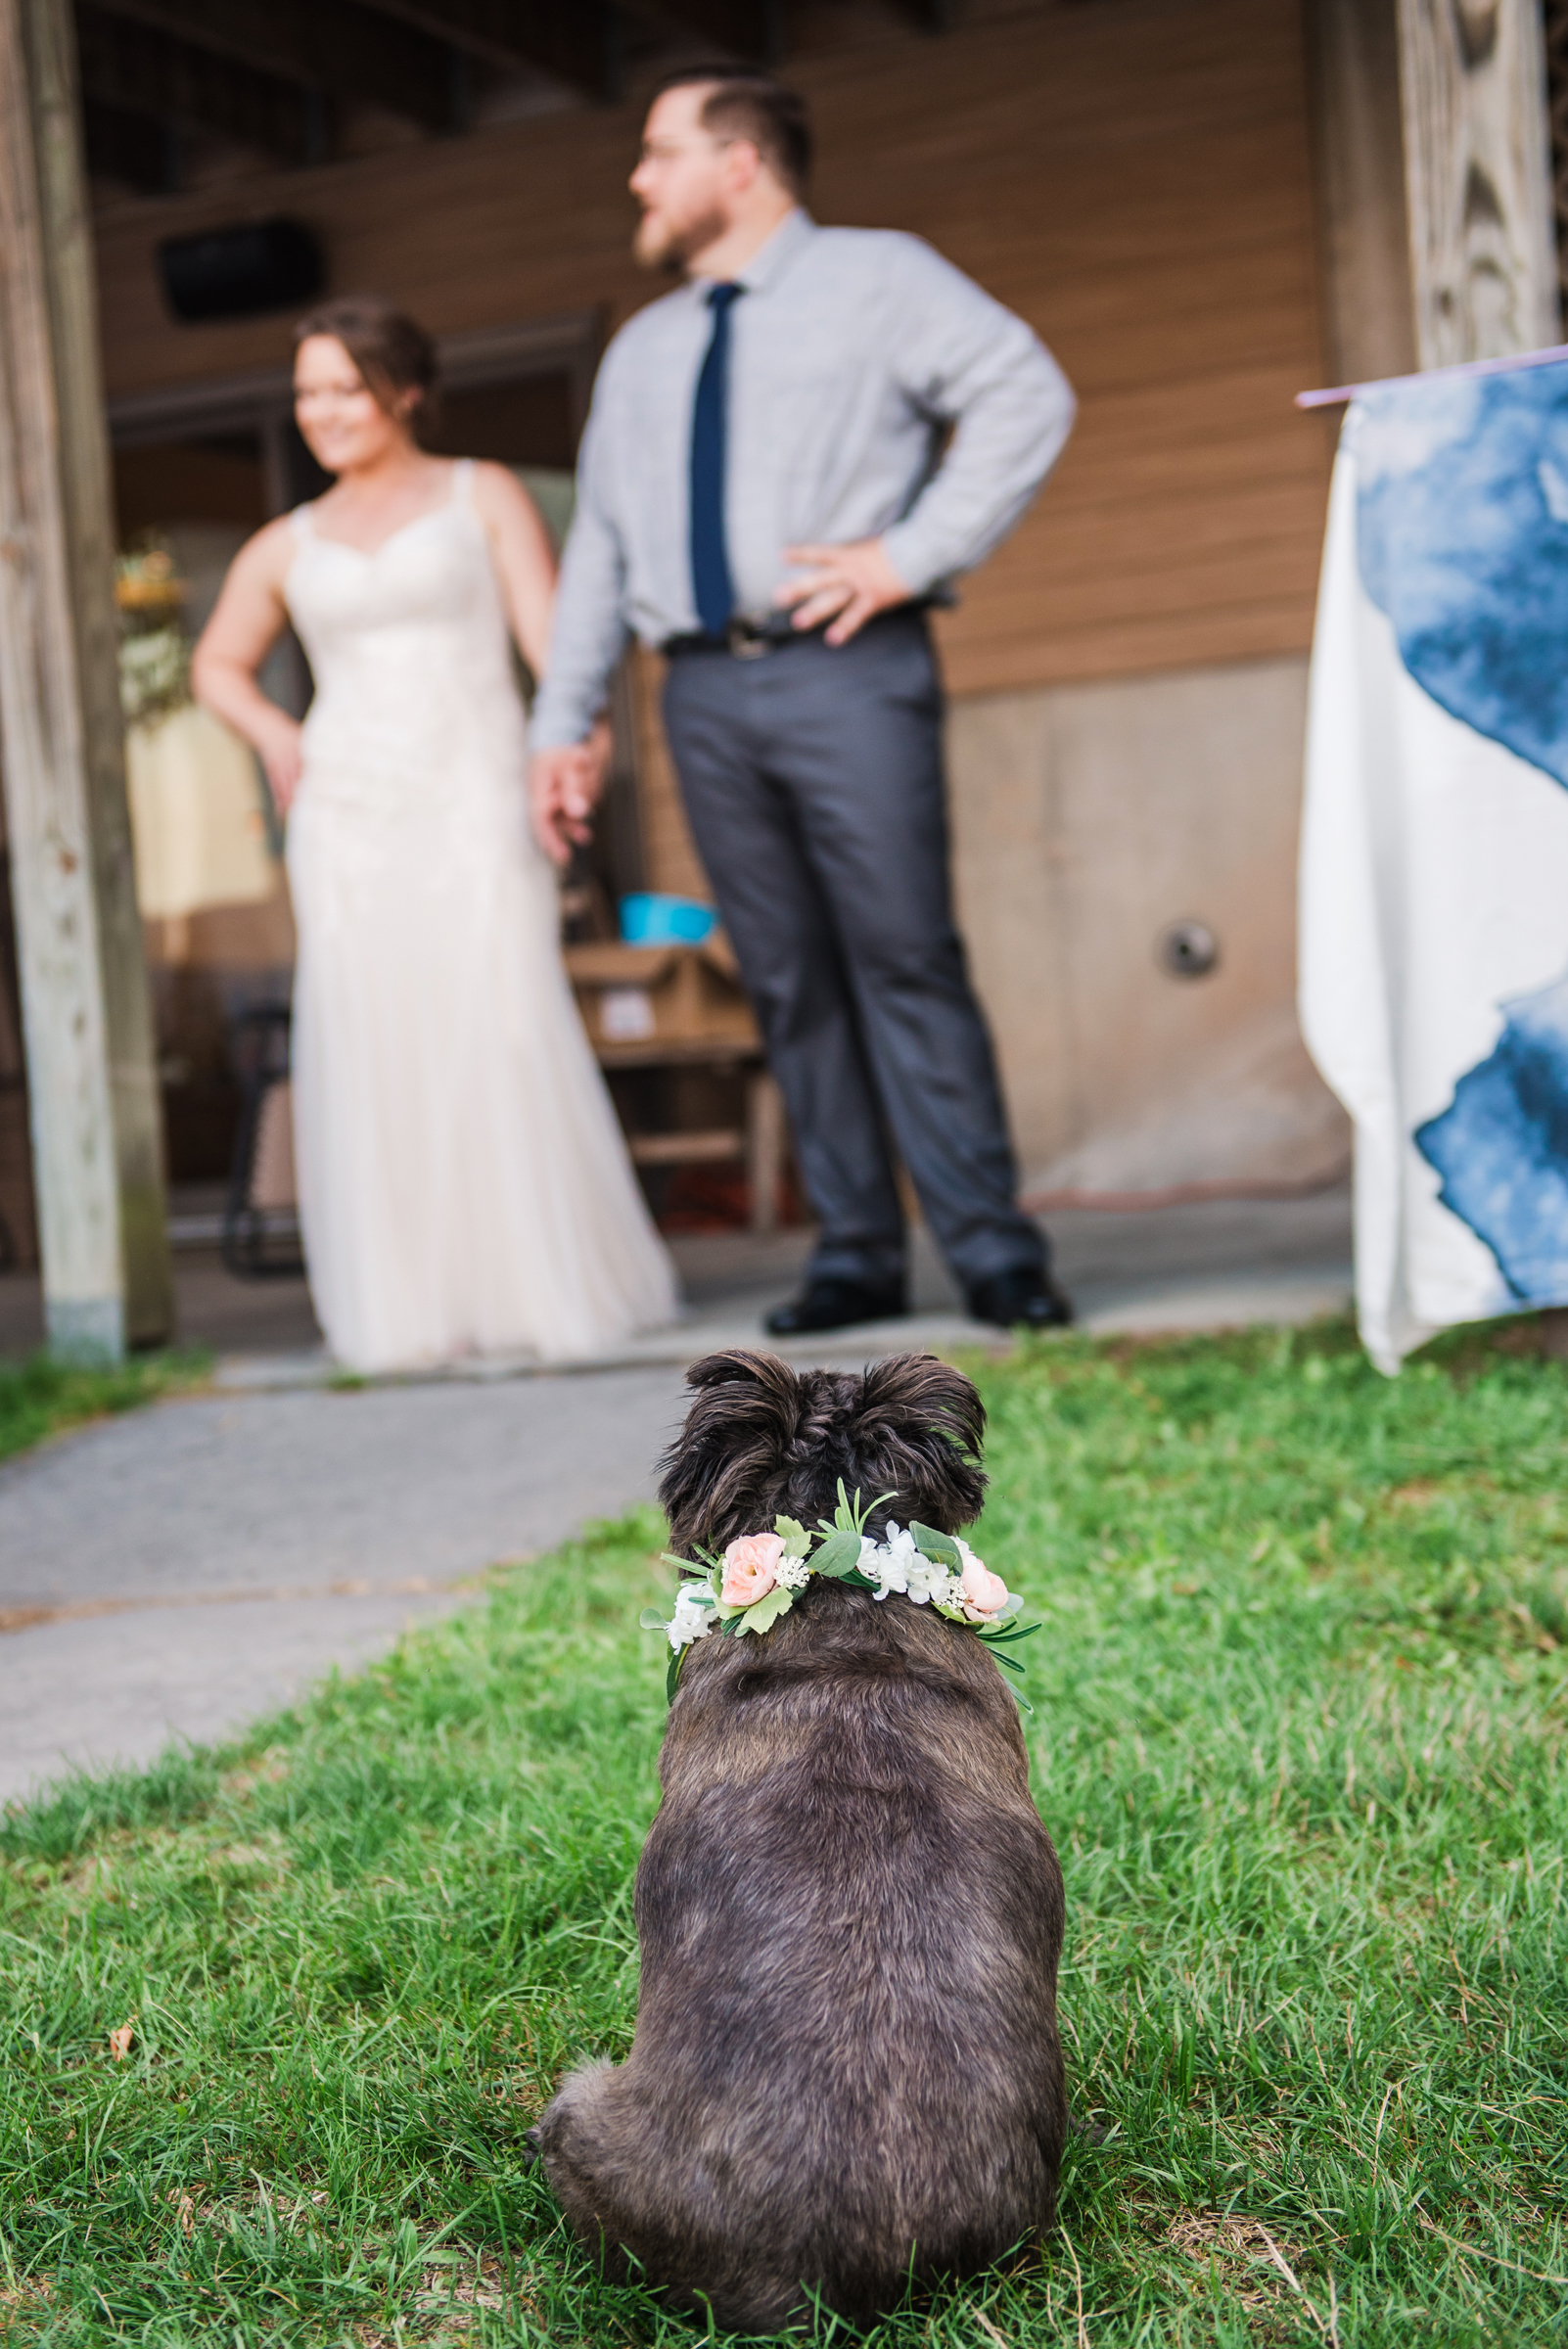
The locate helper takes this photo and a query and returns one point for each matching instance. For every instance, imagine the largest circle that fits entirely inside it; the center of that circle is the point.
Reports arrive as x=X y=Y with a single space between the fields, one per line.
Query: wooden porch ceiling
x=274 y=75
x=143 y=89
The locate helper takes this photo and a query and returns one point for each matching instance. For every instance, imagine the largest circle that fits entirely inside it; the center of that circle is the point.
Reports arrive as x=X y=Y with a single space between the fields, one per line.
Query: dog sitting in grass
x=845 y=2076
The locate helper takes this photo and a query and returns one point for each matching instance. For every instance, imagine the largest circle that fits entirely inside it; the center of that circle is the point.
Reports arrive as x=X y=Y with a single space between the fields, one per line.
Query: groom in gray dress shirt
x=764 y=494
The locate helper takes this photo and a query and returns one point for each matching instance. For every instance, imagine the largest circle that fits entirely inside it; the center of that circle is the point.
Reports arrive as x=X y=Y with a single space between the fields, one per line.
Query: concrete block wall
x=1086 y=819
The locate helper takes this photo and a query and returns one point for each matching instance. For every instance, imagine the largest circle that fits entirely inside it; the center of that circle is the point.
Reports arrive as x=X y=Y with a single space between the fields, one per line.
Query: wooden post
x=1353 y=49
x=96 y=1138
x=766 y=1130
x=1478 y=178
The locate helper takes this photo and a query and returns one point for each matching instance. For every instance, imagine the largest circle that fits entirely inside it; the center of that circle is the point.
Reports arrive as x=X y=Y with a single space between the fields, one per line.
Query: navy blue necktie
x=712 y=585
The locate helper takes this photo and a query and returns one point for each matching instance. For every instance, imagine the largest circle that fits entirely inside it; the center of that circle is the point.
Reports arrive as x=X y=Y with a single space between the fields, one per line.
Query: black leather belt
x=747 y=639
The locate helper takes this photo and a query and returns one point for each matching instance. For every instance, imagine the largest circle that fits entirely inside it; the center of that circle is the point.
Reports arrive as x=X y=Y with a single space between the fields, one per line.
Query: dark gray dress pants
x=813 y=779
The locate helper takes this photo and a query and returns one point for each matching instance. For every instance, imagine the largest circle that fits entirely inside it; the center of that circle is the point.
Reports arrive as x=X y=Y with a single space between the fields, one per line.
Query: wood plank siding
x=1132 y=175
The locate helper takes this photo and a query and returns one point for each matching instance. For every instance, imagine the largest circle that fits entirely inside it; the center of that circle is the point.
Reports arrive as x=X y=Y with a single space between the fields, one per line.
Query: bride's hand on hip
x=283 y=758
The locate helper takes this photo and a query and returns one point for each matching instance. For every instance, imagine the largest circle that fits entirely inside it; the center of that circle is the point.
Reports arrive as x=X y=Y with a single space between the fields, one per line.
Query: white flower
x=929 y=1582
x=693 y=1619
x=153 y=671
x=887 y=1563
x=792 y=1573
x=897 y=1565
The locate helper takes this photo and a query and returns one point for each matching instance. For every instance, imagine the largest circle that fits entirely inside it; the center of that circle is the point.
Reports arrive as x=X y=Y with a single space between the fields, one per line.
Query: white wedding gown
x=463 y=1183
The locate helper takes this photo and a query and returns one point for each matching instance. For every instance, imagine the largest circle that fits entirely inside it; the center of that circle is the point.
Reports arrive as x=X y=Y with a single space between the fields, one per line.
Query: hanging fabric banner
x=1434 y=874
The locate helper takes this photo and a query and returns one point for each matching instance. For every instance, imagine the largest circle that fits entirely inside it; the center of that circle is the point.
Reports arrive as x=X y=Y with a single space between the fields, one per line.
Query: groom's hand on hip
x=847 y=586
x=564 y=783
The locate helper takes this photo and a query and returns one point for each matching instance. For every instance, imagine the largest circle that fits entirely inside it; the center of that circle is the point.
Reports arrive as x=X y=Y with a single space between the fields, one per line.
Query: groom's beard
x=659 y=245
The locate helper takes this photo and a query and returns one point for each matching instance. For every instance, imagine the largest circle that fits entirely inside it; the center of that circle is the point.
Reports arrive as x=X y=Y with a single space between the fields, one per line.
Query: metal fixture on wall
x=1187 y=949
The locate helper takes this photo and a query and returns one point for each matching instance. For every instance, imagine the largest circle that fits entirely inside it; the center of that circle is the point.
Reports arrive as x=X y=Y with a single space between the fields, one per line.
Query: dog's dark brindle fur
x=846 y=2070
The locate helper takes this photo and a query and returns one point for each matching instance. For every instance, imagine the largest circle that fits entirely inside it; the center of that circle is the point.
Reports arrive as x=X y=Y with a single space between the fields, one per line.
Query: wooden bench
x=684 y=1007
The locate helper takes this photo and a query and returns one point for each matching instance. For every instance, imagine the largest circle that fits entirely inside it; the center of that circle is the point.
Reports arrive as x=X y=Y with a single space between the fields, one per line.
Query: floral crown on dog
x=755 y=1581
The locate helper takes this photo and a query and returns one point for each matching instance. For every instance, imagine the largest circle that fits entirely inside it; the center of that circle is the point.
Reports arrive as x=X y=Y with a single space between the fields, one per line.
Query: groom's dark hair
x=754 y=106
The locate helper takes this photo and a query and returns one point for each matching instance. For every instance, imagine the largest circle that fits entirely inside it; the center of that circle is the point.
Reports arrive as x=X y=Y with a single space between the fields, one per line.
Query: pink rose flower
x=985 y=1593
x=751 y=1568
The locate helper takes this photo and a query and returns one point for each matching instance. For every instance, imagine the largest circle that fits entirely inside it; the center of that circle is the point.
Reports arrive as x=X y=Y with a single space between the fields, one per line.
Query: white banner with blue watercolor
x=1434 y=877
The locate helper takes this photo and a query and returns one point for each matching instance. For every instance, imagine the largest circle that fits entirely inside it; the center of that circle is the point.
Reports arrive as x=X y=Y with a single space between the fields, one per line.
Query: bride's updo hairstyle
x=391 y=351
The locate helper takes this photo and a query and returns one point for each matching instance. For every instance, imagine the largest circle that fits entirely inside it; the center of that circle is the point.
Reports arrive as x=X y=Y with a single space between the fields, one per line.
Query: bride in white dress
x=463 y=1183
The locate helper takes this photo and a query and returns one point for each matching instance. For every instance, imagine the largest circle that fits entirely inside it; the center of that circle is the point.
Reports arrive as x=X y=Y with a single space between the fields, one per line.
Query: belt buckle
x=744 y=640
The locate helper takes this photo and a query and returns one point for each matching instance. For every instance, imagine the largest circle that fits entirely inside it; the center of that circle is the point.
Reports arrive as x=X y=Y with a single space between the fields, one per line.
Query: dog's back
x=845 y=2068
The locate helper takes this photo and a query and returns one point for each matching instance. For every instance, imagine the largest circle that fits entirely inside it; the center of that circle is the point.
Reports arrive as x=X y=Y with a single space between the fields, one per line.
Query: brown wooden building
x=1203 y=206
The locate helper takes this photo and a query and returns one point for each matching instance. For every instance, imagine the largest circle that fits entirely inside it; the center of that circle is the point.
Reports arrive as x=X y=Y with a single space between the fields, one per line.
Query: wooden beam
x=1478 y=178
x=335 y=45
x=96 y=1130
x=575 y=40
x=1554 y=27
x=1354 y=51
x=134 y=70
x=750 y=29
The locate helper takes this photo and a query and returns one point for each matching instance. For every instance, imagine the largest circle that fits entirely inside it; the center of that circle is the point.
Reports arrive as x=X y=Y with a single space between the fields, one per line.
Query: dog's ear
x=737 y=1434
x=915 y=1393
x=916 y=1430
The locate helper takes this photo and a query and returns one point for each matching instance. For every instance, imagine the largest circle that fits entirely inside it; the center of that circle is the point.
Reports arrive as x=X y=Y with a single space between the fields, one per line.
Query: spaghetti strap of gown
x=464 y=1187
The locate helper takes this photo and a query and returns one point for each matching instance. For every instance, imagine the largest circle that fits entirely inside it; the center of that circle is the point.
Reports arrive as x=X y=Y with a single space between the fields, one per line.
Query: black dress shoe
x=1028 y=1300
x=835 y=1304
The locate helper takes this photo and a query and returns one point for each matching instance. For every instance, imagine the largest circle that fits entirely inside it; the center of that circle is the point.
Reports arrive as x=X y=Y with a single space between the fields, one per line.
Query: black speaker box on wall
x=240 y=272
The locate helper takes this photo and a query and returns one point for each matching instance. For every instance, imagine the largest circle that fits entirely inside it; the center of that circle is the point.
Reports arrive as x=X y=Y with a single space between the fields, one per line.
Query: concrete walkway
x=177 y=1571
x=184 y=1567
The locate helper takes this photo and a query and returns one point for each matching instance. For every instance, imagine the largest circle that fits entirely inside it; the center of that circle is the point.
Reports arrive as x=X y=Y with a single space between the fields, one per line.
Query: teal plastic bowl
x=650 y=920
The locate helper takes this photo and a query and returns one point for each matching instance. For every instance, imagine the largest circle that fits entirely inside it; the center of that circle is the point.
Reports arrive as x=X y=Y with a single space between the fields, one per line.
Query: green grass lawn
x=1300 y=1715
x=41 y=1396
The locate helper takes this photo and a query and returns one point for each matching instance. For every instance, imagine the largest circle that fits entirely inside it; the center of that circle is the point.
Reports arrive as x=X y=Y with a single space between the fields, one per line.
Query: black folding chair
x=260 y=1236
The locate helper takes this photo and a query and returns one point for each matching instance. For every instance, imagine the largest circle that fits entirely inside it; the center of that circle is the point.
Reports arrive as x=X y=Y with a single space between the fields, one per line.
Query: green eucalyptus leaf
x=838 y=1554
x=652 y=1620
x=841 y=1520
x=940 y=1546
x=706 y=1562
x=849 y=1517
x=764 y=1612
